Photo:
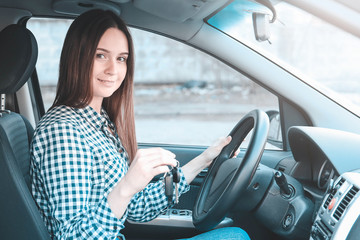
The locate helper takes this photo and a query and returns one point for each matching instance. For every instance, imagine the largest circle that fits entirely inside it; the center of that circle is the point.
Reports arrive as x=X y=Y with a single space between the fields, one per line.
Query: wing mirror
x=275 y=134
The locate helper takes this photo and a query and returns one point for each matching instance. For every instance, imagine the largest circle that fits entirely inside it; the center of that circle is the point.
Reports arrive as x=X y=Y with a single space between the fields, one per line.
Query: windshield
x=317 y=52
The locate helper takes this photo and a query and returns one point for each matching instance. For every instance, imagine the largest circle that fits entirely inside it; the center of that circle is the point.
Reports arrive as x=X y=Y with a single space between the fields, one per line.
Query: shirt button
x=115 y=227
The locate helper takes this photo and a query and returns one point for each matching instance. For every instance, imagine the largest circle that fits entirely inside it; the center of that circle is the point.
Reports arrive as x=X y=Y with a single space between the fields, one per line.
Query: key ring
x=171 y=168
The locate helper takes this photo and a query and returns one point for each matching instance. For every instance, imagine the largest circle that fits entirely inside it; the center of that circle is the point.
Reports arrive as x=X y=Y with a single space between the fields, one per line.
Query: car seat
x=19 y=215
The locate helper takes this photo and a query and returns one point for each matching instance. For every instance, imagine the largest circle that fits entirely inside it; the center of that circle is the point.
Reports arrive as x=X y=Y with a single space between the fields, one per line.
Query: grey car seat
x=19 y=215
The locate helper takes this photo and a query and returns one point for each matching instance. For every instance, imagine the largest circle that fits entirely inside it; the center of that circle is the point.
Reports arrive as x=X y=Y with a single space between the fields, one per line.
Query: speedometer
x=325 y=174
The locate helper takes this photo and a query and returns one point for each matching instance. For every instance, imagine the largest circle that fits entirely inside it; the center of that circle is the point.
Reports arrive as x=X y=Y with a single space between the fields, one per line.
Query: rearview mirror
x=261 y=26
x=261 y=21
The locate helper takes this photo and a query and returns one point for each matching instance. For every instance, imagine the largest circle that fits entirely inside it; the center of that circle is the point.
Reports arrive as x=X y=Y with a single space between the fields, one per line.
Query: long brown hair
x=74 y=87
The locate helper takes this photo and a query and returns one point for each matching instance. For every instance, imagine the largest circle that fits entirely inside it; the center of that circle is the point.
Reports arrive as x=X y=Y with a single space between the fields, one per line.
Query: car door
x=184 y=101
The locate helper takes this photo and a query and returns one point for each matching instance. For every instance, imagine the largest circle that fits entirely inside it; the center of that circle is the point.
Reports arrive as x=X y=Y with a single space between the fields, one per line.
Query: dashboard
x=339 y=214
x=324 y=201
x=326 y=162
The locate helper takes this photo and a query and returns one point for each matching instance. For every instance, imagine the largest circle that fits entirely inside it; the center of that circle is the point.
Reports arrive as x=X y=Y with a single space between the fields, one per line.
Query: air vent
x=333 y=191
x=345 y=202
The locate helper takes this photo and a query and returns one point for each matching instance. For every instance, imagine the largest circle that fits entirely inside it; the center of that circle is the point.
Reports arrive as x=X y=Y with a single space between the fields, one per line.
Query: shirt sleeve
x=62 y=169
x=149 y=203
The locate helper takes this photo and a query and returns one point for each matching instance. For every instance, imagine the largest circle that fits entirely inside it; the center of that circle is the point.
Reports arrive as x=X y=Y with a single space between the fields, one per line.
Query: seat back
x=19 y=215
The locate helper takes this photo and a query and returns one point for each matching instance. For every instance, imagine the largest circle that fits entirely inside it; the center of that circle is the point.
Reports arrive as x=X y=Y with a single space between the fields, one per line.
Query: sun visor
x=71 y=7
x=173 y=10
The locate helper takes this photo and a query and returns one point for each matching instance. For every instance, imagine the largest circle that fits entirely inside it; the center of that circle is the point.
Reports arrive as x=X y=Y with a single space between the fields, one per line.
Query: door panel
x=176 y=223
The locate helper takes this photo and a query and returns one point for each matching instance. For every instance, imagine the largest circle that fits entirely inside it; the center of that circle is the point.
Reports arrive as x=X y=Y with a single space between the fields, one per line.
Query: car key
x=169 y=188
x=176 y=180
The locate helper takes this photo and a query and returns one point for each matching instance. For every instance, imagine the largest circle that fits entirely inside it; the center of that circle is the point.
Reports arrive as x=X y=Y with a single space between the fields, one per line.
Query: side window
x=50 y=35
x=182 y=95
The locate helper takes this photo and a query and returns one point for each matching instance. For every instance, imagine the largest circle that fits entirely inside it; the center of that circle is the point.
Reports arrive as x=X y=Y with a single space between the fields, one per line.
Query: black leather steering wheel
x=228 y=177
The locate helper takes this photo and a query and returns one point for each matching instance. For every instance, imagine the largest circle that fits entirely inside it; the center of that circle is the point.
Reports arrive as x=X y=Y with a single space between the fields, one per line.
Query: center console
x=338 y=216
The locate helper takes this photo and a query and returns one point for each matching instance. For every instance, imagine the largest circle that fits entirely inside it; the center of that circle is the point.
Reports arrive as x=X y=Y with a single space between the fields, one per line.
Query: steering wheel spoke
x=222 y=178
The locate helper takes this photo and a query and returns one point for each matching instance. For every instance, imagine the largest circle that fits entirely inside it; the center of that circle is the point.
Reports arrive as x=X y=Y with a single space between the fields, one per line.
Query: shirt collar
x=93 y=117
x=100 y=121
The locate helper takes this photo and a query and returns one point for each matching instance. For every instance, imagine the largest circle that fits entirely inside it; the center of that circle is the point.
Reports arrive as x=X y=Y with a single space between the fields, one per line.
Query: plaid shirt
x=76 y=162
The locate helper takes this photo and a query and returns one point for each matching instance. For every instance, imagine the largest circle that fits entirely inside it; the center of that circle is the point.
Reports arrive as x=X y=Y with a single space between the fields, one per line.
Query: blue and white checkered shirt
x=76 y=162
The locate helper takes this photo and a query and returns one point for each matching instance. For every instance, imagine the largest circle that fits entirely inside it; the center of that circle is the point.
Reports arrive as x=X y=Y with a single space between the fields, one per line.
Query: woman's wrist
x=119 y=198
x=194 y=167
x=124 y=189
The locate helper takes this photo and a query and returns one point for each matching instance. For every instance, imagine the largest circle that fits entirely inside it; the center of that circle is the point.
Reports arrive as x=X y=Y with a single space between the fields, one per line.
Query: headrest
x=18 y=55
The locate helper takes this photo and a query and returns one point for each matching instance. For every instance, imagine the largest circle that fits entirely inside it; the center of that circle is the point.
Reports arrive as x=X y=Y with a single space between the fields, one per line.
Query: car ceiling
x=171 y=9
x=180 y=19
x=351 y=4
x=344 y=14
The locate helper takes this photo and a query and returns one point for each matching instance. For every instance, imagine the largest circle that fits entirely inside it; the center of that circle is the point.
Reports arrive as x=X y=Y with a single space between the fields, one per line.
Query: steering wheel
x=228 y=177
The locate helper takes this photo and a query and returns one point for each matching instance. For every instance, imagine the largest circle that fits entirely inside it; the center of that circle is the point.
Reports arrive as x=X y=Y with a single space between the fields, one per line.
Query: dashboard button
x=332 y=203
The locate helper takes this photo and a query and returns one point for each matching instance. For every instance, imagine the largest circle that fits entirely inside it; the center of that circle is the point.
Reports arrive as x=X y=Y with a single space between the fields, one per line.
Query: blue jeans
x=227 y=233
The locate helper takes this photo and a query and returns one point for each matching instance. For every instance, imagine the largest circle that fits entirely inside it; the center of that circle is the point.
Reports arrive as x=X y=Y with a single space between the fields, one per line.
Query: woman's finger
x=223 y=142
x=151 y=152
x=153 y=161
x=160 y=170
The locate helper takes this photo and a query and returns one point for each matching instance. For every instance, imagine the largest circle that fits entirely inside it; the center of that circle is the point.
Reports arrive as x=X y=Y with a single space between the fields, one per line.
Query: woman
x=88 y=176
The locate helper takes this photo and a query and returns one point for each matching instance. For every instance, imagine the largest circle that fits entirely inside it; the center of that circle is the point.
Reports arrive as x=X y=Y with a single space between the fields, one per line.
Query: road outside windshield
x=319 y=53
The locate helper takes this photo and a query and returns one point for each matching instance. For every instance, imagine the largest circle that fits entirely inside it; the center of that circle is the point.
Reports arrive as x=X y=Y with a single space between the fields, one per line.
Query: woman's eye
x=122 y=59
x=100 y=55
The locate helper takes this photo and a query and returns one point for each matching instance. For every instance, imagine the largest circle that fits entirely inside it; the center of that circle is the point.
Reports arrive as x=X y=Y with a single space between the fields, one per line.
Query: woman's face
x=109 y=68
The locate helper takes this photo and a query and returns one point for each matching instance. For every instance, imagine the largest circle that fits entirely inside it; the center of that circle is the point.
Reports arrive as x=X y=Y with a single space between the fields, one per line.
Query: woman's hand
x=194 y=167
x=146 y=165
x=214 y=150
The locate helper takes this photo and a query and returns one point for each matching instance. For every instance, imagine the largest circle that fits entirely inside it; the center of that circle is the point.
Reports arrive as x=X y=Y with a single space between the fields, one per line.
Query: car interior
x=307 y=188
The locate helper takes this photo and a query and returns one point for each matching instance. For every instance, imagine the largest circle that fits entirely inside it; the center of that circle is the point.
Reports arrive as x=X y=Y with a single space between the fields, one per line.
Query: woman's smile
x=108 y=83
